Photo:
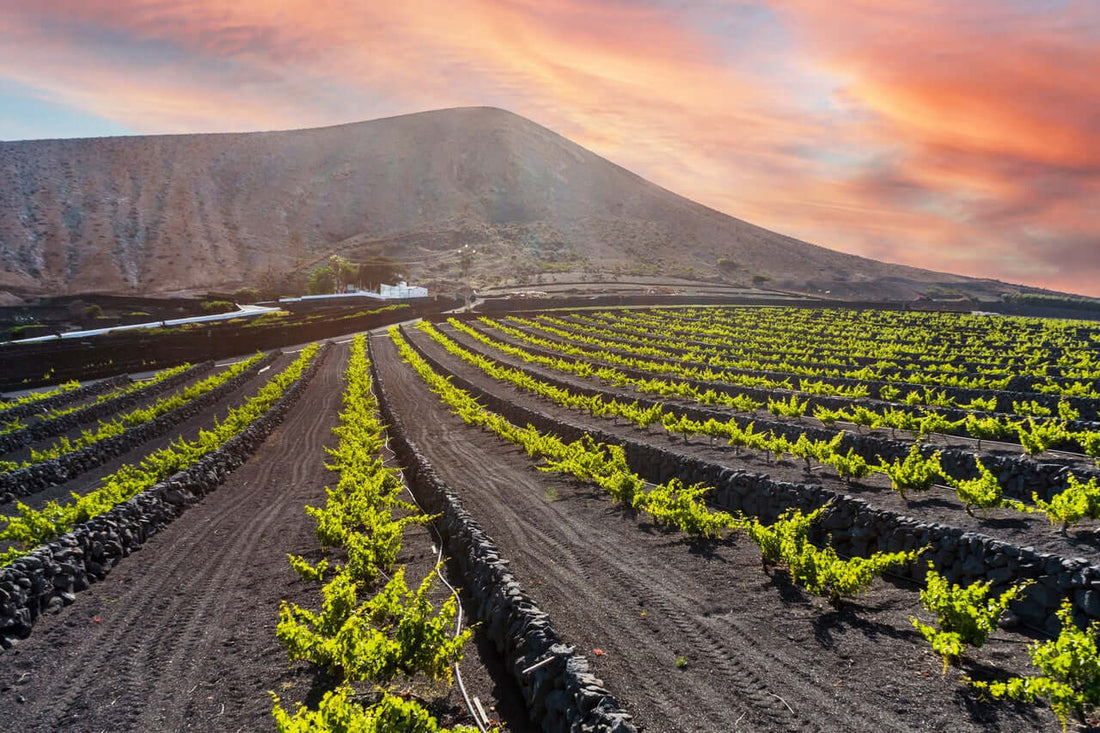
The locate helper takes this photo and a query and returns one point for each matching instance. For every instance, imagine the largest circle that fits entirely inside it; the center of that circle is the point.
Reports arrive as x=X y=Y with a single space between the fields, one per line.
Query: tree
x=297 y=248
x=246 y=295
x=321 y=281
x=343 y=272
x=377 y=271
x=271 y=286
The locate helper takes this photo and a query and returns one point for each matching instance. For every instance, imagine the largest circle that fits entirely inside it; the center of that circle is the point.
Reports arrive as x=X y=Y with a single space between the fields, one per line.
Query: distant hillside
x=178 y=213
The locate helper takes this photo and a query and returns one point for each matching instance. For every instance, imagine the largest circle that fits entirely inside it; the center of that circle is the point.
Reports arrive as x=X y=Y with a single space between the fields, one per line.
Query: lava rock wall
x=49 y=577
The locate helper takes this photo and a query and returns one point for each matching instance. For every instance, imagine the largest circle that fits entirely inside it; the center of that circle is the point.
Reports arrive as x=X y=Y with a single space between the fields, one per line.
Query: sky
x=955 y=136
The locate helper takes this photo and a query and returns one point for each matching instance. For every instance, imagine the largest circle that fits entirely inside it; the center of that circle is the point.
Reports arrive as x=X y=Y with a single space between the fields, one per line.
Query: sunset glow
x=962 y=137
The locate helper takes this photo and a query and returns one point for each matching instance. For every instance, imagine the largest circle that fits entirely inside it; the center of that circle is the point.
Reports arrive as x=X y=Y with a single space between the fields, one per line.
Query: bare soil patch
x=941 y=504
x=181 y=636
x=757 y=653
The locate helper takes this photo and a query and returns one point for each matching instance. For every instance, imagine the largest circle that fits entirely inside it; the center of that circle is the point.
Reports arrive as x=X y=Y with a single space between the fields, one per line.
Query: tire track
x=564 y=562
x=188 y=430
x=774 y=711
x=204 y=600
x=595 y=570
x=676 y=607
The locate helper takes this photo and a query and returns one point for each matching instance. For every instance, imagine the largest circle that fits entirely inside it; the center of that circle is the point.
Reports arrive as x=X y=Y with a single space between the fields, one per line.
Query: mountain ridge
x=151 y=214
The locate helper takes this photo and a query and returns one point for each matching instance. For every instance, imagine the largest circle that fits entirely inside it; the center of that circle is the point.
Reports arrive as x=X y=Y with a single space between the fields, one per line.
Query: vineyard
x=679 y=519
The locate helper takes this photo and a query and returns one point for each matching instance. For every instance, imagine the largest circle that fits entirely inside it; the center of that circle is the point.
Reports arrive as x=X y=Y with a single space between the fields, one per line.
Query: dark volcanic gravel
x=181 y=635
x=759 y=654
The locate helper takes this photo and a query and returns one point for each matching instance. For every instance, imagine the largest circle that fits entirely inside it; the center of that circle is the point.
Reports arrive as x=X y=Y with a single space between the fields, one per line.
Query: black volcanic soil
x=24 y=453
x=188 y=430
x=941 y=504
x=181 y=635
x=759 y=654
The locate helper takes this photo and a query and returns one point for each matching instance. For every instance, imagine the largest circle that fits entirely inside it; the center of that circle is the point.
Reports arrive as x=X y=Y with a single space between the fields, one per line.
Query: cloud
x=958 y=136
x=992 y=112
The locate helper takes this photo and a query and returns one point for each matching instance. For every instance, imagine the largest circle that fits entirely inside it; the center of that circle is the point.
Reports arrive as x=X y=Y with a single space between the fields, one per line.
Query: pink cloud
x=959 y=136
x=992 y=109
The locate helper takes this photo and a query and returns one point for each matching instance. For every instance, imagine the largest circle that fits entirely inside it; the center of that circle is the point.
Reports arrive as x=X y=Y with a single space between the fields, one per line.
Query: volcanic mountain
x=177 y=213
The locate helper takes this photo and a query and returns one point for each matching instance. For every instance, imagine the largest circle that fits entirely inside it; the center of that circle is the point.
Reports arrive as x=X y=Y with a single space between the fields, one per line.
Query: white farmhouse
x=402 y=290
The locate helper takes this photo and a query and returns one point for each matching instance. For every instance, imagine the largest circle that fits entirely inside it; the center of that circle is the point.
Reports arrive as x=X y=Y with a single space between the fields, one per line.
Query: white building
x=402 y=290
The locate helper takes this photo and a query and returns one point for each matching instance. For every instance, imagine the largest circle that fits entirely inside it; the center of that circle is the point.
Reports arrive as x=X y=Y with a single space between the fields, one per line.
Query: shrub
x=985 y=491
x=820 y=571
x=395 y=632
x=849 y=466
x=246 y=295
x=915 y=473
x=1090 y=441
x=964 y=615
x=337 y=712
x=217 y=306
x=1069 y=672
x=675 y=505
x=1077 y=501
x=986 y=428
x=1036 y=438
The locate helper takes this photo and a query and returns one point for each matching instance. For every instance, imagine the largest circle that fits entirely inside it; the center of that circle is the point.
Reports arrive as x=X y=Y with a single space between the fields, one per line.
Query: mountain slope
x=173 y=213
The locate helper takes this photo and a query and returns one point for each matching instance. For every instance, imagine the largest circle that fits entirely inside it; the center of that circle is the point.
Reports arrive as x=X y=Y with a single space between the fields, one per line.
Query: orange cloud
x=986 y=119
x=959 y=136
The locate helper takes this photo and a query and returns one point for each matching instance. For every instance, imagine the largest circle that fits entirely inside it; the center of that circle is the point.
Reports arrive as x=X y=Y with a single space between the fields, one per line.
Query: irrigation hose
x=458 y=617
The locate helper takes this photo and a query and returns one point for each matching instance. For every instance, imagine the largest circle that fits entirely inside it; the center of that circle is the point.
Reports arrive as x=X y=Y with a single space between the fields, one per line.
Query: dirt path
x=181 y=636
x=758 y=654
x=938 y=505
x=188 y=430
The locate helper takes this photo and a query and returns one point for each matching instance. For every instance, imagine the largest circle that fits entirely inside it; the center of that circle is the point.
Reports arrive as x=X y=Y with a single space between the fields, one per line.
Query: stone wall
x=50 y=576
x=560 y=692
x=55 y=471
